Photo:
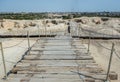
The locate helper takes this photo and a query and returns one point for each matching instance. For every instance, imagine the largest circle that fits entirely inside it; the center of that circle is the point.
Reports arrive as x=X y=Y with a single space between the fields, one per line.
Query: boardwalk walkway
x=59 y=59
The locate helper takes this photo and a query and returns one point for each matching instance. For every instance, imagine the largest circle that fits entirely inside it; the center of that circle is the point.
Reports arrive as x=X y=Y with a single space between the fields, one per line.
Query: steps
x=62 y=59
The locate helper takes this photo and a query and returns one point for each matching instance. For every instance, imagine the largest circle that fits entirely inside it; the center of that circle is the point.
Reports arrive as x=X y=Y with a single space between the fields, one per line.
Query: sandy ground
x=13 y=51
x=111 y=26
x=35 y=30
x=102 y=55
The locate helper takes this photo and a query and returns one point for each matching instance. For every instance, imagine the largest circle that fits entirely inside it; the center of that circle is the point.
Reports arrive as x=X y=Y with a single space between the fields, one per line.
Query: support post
x=71 y=30
x=78 y=31
x=45 y=31
x=50 y=32
x=45 y=28
x=109 y=65
x=38 y=31
x=82 y=40
x=89 y=43
x=3 y=59
x=28 y=42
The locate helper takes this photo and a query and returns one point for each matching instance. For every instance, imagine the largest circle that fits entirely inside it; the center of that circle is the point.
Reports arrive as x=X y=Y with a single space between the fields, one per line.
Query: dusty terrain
x=20 y=27
x=99 y=49
x=110 y=26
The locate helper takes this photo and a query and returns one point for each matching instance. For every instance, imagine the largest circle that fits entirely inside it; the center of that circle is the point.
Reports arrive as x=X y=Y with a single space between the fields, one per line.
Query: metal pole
x=78 y=31
x=71 y=29
x=82 y=40
x=3 y=59
x=38 y=31
x=50 y=32
x=28 y=42
x=45 y=31
x=109 y=65
x=45 y=28
x=89 y=43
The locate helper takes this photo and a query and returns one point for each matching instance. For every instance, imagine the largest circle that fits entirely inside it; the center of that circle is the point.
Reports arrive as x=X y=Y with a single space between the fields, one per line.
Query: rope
x=23 y=47
x=103 y=46
x=11 y=47
x=115 y=52
x=91 y=31
x=8 y=62
x=14 y=45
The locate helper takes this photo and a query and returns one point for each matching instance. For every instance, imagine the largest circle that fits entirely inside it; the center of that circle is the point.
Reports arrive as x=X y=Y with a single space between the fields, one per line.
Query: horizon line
x=66 y=12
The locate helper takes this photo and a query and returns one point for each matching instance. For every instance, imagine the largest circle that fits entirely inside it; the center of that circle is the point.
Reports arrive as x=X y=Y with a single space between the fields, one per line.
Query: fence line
x=115 y=52
x=110 y=61
x=3 y=59
x=13 y=45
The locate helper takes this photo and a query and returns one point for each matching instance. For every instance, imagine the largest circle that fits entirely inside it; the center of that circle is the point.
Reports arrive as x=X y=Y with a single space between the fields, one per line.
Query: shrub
x=9 y=29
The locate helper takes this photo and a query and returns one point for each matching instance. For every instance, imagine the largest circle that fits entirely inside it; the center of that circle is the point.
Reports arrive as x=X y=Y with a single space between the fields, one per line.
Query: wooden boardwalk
x=59 y=59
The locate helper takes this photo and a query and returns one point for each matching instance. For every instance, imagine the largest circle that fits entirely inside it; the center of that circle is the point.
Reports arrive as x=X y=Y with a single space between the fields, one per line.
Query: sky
x=59 y=5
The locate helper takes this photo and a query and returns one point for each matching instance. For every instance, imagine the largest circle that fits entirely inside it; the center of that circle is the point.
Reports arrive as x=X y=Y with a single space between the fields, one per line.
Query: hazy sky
x=58 y=5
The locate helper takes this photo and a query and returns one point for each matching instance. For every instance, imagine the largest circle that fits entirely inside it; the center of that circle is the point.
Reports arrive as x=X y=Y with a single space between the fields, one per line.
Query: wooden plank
x=55 y=80
x=60 y=76
x=39 y=61
x=59 y=57
x=59 y=52
x=44 y=80
x=58 y=64
x=58 y=44
x=55 y=49
x=57 y=69
x=76 y=53
x=85 y=75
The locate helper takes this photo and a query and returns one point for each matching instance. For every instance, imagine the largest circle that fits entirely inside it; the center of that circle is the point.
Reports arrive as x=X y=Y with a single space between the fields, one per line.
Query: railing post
x=3 y=59
x=50 y=33
x=45 y=28
x=82 y=40
x=38 y=31
x=78 y=31
x=89 y=43
x=109 y=65
x=28 y=42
